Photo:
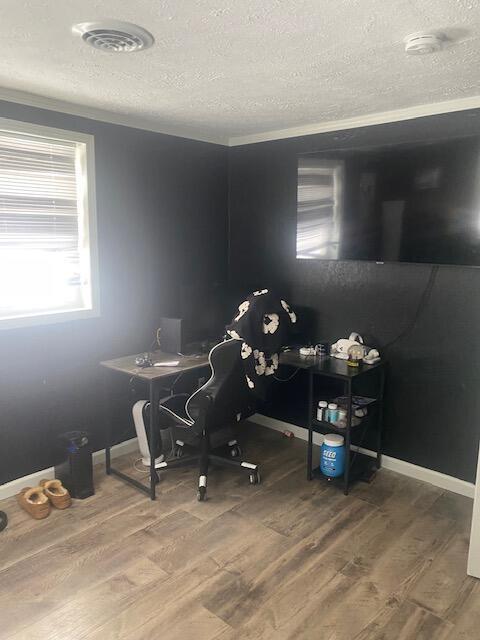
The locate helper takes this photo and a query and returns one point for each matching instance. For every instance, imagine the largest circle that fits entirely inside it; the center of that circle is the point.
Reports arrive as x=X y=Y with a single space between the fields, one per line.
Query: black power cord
x=289 y=377
x=424 y=298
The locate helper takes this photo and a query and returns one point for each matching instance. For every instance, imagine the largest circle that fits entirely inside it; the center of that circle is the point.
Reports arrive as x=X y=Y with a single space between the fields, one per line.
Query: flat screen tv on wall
x=402 y=203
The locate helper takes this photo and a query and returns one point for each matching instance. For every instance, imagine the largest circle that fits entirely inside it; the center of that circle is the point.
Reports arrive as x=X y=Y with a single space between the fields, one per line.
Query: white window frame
x=89 y=230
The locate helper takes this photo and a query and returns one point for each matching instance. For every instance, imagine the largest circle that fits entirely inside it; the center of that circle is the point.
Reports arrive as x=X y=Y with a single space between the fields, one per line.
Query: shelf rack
x=357 y=464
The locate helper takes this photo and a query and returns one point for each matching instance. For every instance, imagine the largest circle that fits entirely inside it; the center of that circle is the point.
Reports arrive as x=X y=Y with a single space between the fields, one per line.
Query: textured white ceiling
x=226 y=68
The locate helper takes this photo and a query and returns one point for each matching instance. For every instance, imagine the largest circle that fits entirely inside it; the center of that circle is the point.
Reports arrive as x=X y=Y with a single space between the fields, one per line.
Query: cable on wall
x=424 y=298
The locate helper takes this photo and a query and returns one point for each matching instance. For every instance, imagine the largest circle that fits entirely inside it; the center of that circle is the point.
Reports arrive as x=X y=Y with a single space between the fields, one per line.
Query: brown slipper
x=34 y=501
x=56 y=493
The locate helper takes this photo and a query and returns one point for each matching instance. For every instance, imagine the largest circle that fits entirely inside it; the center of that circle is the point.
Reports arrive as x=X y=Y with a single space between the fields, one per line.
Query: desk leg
x=108 y=417
x=153 y=437
x=309 y=425
x=346 y=476
x=380 y=417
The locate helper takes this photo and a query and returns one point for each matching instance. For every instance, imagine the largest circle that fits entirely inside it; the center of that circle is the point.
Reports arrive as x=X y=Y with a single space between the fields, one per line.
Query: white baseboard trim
x=12 y=488
x=450 y=483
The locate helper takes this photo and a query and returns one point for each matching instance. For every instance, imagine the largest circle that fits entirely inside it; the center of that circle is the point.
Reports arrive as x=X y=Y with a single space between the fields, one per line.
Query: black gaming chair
x=207 y=418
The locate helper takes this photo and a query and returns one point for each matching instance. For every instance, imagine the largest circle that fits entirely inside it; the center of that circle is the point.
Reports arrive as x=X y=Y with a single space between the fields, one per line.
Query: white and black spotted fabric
x=263 y=323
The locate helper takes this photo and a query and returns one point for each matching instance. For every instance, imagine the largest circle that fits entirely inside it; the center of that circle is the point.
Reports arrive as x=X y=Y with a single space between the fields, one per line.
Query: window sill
x=54 y=317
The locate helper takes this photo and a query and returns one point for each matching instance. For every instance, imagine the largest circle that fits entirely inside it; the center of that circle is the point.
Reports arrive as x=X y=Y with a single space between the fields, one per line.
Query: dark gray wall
x=161 y=207
x=432 y=416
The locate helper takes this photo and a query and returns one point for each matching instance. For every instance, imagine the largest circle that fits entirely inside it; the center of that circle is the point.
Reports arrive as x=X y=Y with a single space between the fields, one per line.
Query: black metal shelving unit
x=357 y=465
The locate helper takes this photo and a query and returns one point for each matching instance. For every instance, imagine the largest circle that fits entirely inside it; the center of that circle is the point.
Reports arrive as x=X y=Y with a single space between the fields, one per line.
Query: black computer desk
x=155 y=377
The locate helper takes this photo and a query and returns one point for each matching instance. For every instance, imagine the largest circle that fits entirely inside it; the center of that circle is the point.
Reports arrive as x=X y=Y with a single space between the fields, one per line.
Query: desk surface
x=329 y=366
x=127 y=365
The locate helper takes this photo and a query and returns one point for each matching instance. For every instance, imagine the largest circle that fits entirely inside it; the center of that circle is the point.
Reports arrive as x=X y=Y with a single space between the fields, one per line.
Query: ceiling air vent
x=424 y=42
x=112 y=35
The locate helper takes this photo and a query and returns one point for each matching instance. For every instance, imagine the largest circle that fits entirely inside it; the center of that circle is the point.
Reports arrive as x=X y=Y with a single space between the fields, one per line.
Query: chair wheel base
x=178 y=452
x=235 y=451
x=255 y=478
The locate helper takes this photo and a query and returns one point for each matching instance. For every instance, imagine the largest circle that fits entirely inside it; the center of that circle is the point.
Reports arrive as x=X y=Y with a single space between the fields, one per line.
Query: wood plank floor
x=288 y=559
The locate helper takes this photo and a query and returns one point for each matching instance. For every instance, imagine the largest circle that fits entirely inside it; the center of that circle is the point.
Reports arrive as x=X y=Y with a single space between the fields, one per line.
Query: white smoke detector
x=424 y=42
x=114 y=36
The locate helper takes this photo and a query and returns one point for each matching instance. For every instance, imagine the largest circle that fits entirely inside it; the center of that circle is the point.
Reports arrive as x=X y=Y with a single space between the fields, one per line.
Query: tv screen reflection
x=404 y=203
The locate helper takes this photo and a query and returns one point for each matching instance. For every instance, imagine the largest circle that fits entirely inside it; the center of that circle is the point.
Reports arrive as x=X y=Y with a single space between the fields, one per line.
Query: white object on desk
x=172 y=363
x=340 y=348
x=372 y=357
x=307 y=351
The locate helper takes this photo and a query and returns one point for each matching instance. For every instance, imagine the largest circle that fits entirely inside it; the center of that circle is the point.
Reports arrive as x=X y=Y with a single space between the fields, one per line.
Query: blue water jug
x=332 y=455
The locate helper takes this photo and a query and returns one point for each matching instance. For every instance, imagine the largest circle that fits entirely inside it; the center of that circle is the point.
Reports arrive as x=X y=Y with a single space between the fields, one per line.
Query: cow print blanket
x=263 y=324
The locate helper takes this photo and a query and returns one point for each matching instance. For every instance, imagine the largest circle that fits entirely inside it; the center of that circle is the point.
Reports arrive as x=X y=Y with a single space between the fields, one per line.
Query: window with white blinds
x=47 y=225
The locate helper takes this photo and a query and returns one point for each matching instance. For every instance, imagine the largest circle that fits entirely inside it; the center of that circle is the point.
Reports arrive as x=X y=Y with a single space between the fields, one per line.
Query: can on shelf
x=332 y=455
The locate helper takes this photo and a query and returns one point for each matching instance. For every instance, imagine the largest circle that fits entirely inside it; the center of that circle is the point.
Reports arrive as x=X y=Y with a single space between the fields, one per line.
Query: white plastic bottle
x=322 y=411
x=332 y=412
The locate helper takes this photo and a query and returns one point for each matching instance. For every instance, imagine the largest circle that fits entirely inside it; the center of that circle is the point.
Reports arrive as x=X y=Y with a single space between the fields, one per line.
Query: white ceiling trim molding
x=396 y=115
x=101 y=115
